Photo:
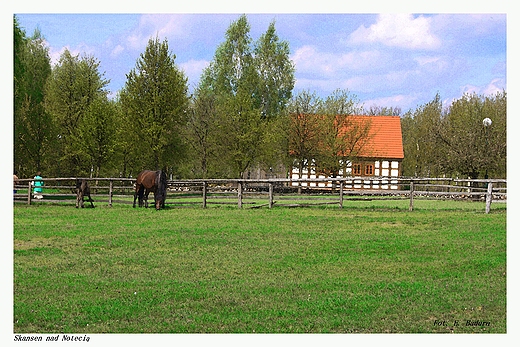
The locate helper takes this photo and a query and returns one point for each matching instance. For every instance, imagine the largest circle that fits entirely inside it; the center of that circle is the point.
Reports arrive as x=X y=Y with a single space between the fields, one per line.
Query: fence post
x=204 y=192
x=239 y=194
x=341 y=194
x=110 y=194
x=411 y=196
x=270 y=195
x=489 y=196
x=29 y=195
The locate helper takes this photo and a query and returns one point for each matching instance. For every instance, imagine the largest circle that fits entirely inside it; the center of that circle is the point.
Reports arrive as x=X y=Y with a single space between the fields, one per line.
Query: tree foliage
x=201 y=137
x=323 y=134
x=275 y=73
x=154 y=103
x=97 y=133
x=382 y=111
x=250 y=85
x=73 y=86
x=454 y=142
x=469 y=147
x=341 y=138
x=304 y=131
x=32 y=124
x=420 y=140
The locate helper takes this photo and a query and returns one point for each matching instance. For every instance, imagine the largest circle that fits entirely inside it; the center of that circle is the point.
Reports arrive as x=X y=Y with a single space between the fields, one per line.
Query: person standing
x=15 y=181
x=38 y=184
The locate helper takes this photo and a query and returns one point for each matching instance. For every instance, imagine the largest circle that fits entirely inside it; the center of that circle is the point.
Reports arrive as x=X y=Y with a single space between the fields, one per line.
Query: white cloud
x=156 y=25
x=470 y=89
x=426 y=60
x=308 y=59
x=403 y=101
x=81 y=51
x=464 y=26
x=55 y=54
x=193 y=70
x=116 y=51
x=494 y=86
x=399 y=30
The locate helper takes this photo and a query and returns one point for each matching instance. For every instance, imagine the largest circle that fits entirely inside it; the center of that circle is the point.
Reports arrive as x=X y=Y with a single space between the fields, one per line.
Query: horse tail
x=140 y=192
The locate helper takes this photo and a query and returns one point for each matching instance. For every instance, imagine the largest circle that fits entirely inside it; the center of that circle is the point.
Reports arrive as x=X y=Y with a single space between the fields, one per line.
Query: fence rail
x=288 y=192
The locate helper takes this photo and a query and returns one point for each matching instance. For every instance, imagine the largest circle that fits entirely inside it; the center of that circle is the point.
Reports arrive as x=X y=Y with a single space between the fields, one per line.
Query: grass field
x=371 y=267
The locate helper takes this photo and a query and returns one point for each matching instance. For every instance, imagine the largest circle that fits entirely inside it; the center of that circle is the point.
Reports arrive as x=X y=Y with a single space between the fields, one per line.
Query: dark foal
x=82 y=191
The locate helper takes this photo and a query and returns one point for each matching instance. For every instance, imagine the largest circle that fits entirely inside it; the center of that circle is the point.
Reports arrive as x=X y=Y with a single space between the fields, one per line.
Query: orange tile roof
x=385 y=137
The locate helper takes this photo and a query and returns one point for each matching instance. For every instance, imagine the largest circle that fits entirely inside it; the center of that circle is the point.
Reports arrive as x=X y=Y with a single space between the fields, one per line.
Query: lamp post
x=487 y=123
x=489 y=195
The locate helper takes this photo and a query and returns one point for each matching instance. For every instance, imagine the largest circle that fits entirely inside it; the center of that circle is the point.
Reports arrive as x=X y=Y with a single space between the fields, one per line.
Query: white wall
x=382 y=168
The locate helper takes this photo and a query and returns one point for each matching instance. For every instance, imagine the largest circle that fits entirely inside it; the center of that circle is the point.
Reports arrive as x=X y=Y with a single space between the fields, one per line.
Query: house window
x=369 y=170
x=357 y=169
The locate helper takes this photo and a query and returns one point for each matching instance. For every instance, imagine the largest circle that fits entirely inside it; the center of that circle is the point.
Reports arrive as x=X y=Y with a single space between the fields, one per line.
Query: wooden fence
x=282 y=192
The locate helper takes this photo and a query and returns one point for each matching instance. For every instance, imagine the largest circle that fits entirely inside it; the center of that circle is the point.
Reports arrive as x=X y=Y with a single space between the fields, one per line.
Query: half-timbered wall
x=367 y=168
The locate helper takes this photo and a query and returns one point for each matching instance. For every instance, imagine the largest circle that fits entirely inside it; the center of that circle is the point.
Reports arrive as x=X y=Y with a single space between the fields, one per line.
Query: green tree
x=343 y=136
x=200 y=133
x=154 y=101
x=97 y=133
x=74 y=85
x=324 y=133
x=453 y=141
x=276 y=83
x=252 y=85
x=421 y=142
x=304 y=129
x=32 y=124
x=125 y=160
x=233 y=78
x=276 y=73
x=410 y=165
x=19 y=43
x=470 y=148
x=382 y=111
x=338 y=134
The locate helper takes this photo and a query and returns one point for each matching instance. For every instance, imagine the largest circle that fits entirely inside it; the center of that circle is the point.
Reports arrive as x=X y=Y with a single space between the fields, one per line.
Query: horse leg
x=139 y=194
x=135 y=195
x=77 y=197
x=142 y=196
x=156 y=201
x=89 y=198
x=147 y=192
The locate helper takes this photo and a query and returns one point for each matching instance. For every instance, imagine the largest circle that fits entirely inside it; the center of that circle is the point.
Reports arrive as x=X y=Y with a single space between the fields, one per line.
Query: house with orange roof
x=372 y=146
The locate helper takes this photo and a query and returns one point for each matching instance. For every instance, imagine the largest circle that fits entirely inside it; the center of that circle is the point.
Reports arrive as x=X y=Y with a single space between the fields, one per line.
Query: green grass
x=372 y=267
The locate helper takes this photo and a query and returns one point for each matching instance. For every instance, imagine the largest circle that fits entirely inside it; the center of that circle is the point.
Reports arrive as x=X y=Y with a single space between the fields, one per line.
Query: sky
x=383 y=59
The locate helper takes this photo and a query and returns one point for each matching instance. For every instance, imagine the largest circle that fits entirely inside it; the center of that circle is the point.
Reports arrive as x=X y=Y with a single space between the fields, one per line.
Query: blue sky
x=399 y=60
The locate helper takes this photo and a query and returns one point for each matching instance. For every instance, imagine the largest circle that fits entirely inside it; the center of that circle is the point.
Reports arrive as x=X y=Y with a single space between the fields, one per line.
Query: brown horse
x=82 y=190
x=151 y=181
